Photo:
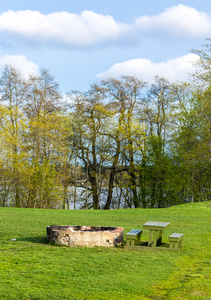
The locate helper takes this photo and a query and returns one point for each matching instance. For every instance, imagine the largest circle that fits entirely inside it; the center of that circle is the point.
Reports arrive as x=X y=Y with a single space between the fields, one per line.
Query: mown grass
x=30 y=268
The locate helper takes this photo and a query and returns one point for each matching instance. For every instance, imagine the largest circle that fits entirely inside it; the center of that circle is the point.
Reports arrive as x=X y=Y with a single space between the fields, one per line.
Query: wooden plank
x=176 y=235
x=150 y=248
x=156 y=225
x=134 y=232
x=155 y=236
x=150 y=237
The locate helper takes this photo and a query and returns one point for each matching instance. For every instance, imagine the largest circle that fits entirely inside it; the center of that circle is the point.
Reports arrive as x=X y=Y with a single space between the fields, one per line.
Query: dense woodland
x=123 y=143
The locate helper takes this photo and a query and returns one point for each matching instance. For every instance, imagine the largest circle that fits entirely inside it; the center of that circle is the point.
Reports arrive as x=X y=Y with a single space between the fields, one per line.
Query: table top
x=156 y=225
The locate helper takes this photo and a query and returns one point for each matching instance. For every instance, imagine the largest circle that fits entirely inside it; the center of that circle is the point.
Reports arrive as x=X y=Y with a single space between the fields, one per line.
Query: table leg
x=155 y=236
x=159 y=237
x=150 y=237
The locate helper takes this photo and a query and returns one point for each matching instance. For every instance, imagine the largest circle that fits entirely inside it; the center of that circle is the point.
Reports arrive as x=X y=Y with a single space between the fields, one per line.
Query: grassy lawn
x=32 y=269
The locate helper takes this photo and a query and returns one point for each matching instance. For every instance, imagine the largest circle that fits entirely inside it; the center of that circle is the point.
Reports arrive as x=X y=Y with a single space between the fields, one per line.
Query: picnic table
x=134 y=242
x=155 y=232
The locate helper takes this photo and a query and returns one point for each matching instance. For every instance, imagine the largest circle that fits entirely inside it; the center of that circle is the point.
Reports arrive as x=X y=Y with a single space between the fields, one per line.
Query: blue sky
x=83 y=41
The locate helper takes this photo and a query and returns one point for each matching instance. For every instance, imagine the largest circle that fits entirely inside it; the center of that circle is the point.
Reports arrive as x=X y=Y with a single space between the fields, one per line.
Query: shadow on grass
x=34 y=239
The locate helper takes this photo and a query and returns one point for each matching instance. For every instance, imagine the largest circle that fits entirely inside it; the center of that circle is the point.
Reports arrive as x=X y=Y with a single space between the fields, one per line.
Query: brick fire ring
x=85 y=236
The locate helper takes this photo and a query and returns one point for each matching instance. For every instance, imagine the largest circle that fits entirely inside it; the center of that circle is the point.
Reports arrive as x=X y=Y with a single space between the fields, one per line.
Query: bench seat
x=176 y=240
x=132 y=236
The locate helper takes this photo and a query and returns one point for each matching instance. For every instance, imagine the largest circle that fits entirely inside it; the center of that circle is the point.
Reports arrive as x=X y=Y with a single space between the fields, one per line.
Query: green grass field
x=30 y=268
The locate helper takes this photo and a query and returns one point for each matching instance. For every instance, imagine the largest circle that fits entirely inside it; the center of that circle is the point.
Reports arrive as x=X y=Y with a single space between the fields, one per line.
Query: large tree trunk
x=132 y=174
x=112 y=175
x=110 y=189
x=93 y=182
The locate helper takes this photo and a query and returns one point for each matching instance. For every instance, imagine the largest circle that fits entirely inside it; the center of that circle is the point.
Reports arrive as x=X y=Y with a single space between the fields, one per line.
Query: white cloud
x=178 y=21
x=90 y=28
x=70 y=29
x=144 y=69
x=20 y=62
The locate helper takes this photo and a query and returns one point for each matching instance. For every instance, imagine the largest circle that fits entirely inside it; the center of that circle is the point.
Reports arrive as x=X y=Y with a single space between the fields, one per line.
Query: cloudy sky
x=83 y=41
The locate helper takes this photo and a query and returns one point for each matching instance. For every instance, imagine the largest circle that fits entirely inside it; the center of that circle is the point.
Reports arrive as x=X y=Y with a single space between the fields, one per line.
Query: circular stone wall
x=85 y=236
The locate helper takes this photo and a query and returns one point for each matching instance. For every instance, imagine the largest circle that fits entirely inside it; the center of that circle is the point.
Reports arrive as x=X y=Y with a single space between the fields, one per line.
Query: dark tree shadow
x=34 y=239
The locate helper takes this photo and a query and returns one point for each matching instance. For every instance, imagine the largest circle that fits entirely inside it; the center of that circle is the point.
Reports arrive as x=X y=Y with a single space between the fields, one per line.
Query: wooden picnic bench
x=155 y=232
x=132 y=236
x=175 y=241
x=134 y=242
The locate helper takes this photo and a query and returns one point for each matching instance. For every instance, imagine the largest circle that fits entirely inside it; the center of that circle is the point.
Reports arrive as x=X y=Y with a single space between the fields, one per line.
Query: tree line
x=123 y=143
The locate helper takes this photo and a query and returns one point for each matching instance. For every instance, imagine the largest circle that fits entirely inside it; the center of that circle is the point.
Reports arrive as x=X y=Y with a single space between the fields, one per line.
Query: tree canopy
x=123 y=143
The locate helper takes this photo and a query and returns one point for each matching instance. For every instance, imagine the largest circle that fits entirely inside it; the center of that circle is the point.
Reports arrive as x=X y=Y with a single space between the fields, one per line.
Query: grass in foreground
x=32 y=269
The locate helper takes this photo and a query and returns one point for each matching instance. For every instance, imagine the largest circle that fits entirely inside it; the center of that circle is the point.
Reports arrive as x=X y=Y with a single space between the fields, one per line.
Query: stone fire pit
x=85 y=236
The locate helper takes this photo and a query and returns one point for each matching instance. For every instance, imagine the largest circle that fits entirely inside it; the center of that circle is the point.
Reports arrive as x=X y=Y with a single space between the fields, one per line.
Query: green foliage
x=192 y=145
x=32 y=269
x=149 y=144
x=33 y=133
